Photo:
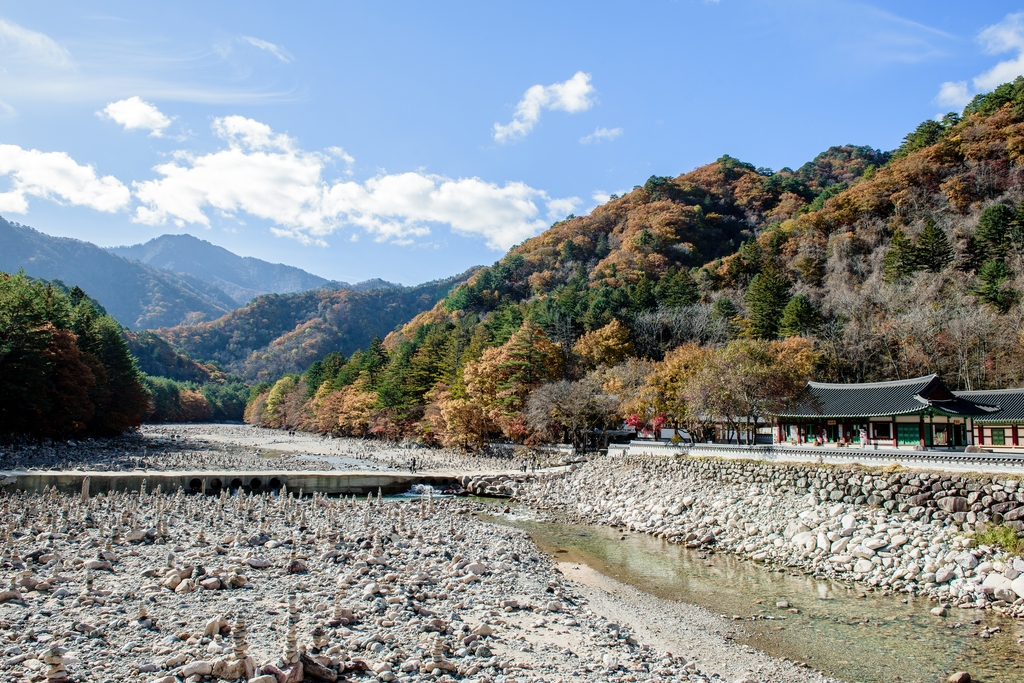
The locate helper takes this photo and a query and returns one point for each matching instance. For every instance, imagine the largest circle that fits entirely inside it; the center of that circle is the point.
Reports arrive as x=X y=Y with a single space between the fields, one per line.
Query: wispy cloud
x=35 y=67
x=273 y=49
x=21 y=45
x=267 y=175
x=601 y=134
x=573 y=95
x=133 y=113
x=1000 y=38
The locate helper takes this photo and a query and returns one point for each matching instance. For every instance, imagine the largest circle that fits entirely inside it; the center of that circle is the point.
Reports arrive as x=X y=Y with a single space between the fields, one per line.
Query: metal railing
x=782 y=452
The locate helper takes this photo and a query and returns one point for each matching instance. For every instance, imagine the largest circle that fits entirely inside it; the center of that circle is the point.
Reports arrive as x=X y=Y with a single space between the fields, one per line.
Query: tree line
x=67 y=370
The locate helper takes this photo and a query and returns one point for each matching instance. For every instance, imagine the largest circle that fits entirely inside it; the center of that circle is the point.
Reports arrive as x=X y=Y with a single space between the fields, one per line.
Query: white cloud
x=560 y=208
x=1005 y=36
x=57 y=177
x=954 y=94
x=133 y=114
x=573 y=95
x=275 y=50
x=266 y=175
x=601 y=197
x=21 y=45
x=601 y=134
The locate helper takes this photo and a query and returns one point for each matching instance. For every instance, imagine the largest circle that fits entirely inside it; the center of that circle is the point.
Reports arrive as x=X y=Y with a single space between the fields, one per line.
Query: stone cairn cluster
x=906 y=532
x=172 y=588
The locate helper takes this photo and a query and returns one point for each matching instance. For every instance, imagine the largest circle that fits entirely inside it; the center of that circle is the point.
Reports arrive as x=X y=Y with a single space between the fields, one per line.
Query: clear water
x=849 y=633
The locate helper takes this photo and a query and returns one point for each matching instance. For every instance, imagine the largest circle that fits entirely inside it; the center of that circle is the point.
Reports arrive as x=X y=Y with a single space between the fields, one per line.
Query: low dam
x=208 y=481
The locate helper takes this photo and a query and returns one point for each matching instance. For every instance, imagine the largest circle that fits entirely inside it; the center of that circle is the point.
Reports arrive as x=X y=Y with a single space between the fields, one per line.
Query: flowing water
x=849 y=633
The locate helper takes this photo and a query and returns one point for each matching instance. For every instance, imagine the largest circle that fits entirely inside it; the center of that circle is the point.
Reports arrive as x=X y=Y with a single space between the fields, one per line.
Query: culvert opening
x=196 y=485
x=255 y=484
x=216 y=485
x=275 y=484
x=236 y=483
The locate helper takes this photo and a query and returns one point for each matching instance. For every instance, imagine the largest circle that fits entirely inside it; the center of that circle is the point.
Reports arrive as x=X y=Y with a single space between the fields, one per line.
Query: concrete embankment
x=895 y=531
x=330 y=483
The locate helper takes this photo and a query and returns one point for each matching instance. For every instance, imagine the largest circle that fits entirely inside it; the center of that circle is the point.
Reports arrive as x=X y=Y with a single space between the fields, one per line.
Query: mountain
x=666 y=303
x=136 y=295
x=243 y=278
x=279 y=333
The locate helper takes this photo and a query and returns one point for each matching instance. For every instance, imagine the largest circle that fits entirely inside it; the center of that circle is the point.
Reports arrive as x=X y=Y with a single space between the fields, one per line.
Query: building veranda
x=912 y=414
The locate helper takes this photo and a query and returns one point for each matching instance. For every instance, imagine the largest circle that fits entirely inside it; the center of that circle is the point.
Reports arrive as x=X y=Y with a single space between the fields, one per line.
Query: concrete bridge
x=208 y=481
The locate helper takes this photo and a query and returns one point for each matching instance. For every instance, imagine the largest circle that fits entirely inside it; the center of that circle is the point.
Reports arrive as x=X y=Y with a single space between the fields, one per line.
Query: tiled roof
x=1010 y=402
x=874 y=399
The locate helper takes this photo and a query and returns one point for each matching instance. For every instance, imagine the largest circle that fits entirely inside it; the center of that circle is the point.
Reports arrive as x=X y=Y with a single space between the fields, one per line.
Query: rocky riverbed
x=899 y=532
x=219 y=447
x=274 y=589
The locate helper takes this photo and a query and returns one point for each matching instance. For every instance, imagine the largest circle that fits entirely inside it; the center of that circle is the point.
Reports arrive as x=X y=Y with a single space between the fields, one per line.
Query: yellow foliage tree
x=666 y=389
x=348 y=411
x=607 y=346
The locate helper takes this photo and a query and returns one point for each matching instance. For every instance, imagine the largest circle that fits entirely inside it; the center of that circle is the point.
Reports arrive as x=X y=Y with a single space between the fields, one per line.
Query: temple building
x=911 y=413
x=1003 y=428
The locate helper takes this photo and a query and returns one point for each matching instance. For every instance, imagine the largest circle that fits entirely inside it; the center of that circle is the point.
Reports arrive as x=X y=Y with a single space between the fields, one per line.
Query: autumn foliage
x=65 y=369
x=711 y=297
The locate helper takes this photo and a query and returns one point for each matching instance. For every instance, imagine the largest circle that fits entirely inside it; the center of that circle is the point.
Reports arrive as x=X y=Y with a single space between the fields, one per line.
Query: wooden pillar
x=920 y=430
x=895 y=433
x=1013 y=433
x=981 y=435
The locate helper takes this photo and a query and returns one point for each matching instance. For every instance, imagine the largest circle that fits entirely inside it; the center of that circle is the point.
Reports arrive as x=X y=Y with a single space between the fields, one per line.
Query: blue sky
x=411 y=140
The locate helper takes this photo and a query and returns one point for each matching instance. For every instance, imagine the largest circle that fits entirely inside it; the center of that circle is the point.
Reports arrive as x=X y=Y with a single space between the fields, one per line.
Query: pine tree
x=993 y=230
x=799 y=318
x=934 y=252
x=642 y=295
x=676 y=288
x=766 y=297
x=901 y=260
x=990 y=290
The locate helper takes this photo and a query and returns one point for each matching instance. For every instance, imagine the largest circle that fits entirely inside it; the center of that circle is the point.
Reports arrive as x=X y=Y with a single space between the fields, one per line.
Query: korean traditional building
x=1004 y=428
x=910 y=413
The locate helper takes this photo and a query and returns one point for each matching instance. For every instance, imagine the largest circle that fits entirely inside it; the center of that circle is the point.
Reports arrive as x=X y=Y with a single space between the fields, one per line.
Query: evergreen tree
x=934 y=252
x=799 y=319
x=676 y=288
x=602 y=248
x=990 y=290
x=642 y=295
x=767 y=295
x=725 y=309
x=528 y=359
x=1016 y=236
x=973 y=256
x=374 y=360
x=901 y=260
x=993 y=230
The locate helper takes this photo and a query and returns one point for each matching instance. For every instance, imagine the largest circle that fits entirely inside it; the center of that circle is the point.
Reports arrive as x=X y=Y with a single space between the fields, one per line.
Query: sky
x=411 y=140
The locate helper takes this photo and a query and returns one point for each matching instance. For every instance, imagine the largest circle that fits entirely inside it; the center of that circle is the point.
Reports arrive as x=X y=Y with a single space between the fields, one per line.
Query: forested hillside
x=715 y=292
x=281 y=333
x=135 y=294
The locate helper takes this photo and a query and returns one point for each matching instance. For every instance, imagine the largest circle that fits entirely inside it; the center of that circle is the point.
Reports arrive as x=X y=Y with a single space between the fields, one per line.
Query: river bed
x=845 y=631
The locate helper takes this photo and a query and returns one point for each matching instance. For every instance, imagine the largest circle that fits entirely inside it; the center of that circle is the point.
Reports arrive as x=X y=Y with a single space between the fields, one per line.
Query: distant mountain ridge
x=243 y=278
x=278 y=333
x=136 y=295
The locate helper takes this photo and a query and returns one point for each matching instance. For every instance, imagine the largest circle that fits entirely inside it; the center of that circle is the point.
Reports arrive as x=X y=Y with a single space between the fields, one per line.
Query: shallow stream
x=849 y=633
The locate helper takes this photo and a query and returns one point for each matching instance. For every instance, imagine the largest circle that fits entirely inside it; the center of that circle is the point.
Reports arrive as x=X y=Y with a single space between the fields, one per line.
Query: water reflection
x=852 y=634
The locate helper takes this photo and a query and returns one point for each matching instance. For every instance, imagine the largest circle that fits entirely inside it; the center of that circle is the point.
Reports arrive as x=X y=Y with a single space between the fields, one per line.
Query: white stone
x=863 y=566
